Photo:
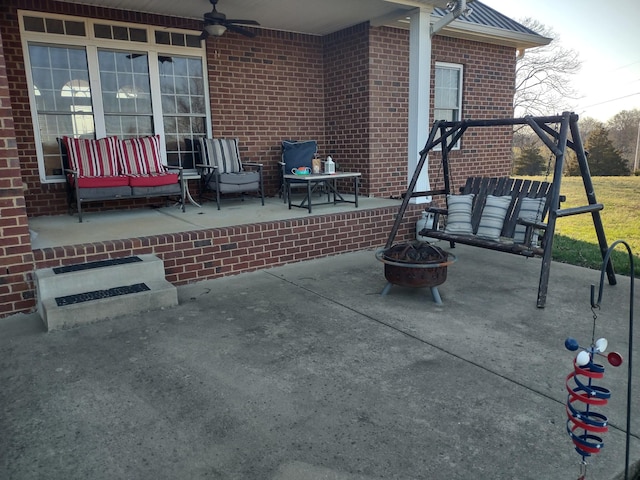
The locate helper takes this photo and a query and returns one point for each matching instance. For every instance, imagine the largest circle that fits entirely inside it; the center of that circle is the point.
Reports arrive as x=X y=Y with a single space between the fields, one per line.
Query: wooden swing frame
x=447 y=134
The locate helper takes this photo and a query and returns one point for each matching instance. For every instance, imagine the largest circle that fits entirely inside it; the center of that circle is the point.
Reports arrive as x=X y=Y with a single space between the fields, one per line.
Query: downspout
x=456 y=9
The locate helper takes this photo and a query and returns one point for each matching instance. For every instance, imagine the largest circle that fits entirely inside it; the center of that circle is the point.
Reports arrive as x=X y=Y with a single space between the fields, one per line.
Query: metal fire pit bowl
x=415 y=264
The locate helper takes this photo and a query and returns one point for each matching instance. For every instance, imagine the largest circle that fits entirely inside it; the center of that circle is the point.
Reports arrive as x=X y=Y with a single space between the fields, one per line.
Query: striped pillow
x=531 y=210
x=493 y=215
x=222 y=153
x=459 y=214
x=140 y=156
x=93 y=158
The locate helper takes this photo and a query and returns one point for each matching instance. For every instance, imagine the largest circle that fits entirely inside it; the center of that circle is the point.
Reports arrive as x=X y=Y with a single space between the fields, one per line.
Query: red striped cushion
x=140 y=156
x=93 y=158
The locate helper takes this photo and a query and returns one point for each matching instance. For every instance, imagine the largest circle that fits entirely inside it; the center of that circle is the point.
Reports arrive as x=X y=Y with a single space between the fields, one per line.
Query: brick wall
x=206 y=254
x=265 y=90
x=16 y=257
x=488 y=89
x=347 y=100
x=389 y=119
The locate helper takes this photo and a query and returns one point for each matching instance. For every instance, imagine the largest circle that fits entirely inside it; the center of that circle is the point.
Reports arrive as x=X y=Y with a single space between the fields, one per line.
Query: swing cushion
x=531 y=210
x=493 y=215
x=459 y=214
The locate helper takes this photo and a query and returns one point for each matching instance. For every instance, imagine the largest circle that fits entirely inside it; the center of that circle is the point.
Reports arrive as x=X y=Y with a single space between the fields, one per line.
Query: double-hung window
x=448 y=93
x=90 y=78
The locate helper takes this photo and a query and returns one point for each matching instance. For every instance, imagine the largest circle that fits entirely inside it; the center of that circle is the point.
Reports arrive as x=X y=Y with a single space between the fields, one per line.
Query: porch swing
x=514 y=208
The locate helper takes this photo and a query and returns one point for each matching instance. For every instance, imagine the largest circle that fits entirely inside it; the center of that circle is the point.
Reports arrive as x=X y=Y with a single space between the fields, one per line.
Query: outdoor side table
x=314 y=180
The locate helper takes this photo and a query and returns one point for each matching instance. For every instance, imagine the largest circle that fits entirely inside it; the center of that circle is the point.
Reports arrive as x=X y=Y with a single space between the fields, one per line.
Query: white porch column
x=419 y=93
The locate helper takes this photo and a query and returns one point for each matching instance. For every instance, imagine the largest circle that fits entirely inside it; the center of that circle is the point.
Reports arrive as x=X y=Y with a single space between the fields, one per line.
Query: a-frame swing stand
x=447 y=134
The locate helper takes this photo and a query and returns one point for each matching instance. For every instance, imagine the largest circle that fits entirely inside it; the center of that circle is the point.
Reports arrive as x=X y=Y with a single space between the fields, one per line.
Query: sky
x=606 y=36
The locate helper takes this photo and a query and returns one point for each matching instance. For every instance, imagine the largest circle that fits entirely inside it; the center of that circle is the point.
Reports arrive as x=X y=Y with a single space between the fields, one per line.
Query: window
x=94 y=79
x=448 y=94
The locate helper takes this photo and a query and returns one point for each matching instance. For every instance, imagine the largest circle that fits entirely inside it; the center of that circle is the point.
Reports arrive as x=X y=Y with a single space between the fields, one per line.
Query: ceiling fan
x=216 y=23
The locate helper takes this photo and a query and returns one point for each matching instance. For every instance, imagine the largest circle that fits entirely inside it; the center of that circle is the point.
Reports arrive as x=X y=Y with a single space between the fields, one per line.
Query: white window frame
x=91 y=44
x=460 y=69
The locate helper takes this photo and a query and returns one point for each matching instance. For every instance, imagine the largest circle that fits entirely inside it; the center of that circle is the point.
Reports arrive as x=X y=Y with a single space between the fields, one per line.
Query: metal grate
x=111 y=292
x=96 y=264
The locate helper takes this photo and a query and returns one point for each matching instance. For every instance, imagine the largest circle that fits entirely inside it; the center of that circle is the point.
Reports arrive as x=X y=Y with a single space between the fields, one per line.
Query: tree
x=603 y=158
x=530 y=161
x=623 y=133
x=542 y=75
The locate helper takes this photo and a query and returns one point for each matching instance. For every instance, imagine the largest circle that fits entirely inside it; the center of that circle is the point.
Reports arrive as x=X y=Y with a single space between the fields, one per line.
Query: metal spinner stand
x=585 y=426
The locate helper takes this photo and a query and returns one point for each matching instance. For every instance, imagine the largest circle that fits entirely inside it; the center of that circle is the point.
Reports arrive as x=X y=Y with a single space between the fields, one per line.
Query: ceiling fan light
x=215 y=30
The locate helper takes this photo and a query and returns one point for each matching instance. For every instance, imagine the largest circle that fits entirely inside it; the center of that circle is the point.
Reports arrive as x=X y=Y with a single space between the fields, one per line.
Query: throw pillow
x=493 y=215
x=530 y=210
x=222 y=153
x=459 y=214
x=298 y=154
x=140 y=156
x=93 y=158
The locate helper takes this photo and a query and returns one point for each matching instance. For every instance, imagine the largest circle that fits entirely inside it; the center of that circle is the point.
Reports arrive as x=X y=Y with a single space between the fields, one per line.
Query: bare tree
x=543 y=74
x=624 y=132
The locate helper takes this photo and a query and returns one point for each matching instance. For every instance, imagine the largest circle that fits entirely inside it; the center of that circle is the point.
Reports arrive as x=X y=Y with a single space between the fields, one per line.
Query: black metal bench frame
x=447 y=134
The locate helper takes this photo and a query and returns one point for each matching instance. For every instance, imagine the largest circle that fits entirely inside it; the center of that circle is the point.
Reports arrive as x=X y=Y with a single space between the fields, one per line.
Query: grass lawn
x=576 y=241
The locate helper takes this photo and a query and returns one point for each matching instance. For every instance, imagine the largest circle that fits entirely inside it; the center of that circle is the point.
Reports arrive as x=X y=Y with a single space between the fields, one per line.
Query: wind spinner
x=585 y=425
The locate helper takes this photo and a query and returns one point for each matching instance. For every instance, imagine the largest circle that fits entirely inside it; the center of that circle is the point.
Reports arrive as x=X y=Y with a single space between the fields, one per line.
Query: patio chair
x=222 y=171
x=296 y=154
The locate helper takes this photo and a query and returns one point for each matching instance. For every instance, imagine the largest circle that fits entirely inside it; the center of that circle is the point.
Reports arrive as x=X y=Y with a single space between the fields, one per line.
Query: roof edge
x=486 y=34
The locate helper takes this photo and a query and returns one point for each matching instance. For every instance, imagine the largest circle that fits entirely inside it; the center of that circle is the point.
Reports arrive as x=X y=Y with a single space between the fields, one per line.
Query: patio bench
x=115 y=169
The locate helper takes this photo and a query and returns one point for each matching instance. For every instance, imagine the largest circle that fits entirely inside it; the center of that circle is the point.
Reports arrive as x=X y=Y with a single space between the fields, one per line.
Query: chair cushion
x=222 y=153
x=493 y=215
x=531 y=210
x=459 y=214
x=153 y=179
x=93 y=158
x=140 y=156
x=298 y=154
x=101 y=182
x=240 y=178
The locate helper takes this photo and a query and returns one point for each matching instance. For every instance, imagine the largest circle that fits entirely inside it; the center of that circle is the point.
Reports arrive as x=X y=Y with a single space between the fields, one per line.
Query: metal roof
x=493 y=26
x=487 y=16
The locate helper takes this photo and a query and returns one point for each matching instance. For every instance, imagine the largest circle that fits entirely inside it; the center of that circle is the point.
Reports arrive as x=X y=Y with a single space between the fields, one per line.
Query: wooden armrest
x=173 y=167
x=529 y=223
x=438 y=210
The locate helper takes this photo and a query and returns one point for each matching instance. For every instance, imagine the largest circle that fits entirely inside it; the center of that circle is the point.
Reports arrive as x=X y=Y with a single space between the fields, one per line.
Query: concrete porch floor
x=306 y=372
x=59 y=230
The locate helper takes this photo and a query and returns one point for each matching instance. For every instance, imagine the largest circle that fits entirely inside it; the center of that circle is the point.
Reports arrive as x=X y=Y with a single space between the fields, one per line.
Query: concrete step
x=86 y=293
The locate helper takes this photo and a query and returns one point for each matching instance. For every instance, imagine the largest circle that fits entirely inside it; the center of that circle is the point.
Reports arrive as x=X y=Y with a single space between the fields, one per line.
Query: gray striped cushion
x=222 y=153
x=459 y=214
x=492 y=219
x=530 y=210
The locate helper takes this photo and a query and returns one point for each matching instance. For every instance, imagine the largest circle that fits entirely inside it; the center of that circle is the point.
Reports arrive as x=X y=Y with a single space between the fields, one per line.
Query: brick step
x=85 y=293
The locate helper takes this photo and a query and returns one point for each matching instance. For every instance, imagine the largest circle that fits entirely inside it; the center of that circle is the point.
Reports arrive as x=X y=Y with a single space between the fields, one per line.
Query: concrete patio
x=306 y=372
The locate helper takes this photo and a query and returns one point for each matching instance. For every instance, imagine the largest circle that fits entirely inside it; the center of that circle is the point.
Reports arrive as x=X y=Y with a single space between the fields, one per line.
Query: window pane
x=124 y=77
x=63 y=98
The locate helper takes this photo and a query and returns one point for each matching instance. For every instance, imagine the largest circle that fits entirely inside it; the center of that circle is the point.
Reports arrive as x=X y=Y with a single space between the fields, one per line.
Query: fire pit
x=415 y=264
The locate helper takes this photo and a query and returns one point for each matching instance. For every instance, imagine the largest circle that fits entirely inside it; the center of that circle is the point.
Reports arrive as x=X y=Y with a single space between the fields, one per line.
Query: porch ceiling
x=302 y=16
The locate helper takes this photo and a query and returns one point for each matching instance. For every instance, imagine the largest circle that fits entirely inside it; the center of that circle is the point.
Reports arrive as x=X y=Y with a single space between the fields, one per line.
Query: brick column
x=16 y=256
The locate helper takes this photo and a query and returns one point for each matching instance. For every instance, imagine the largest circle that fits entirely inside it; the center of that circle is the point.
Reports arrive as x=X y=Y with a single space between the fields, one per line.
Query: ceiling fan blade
x=237 y=29
x=242 y=22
